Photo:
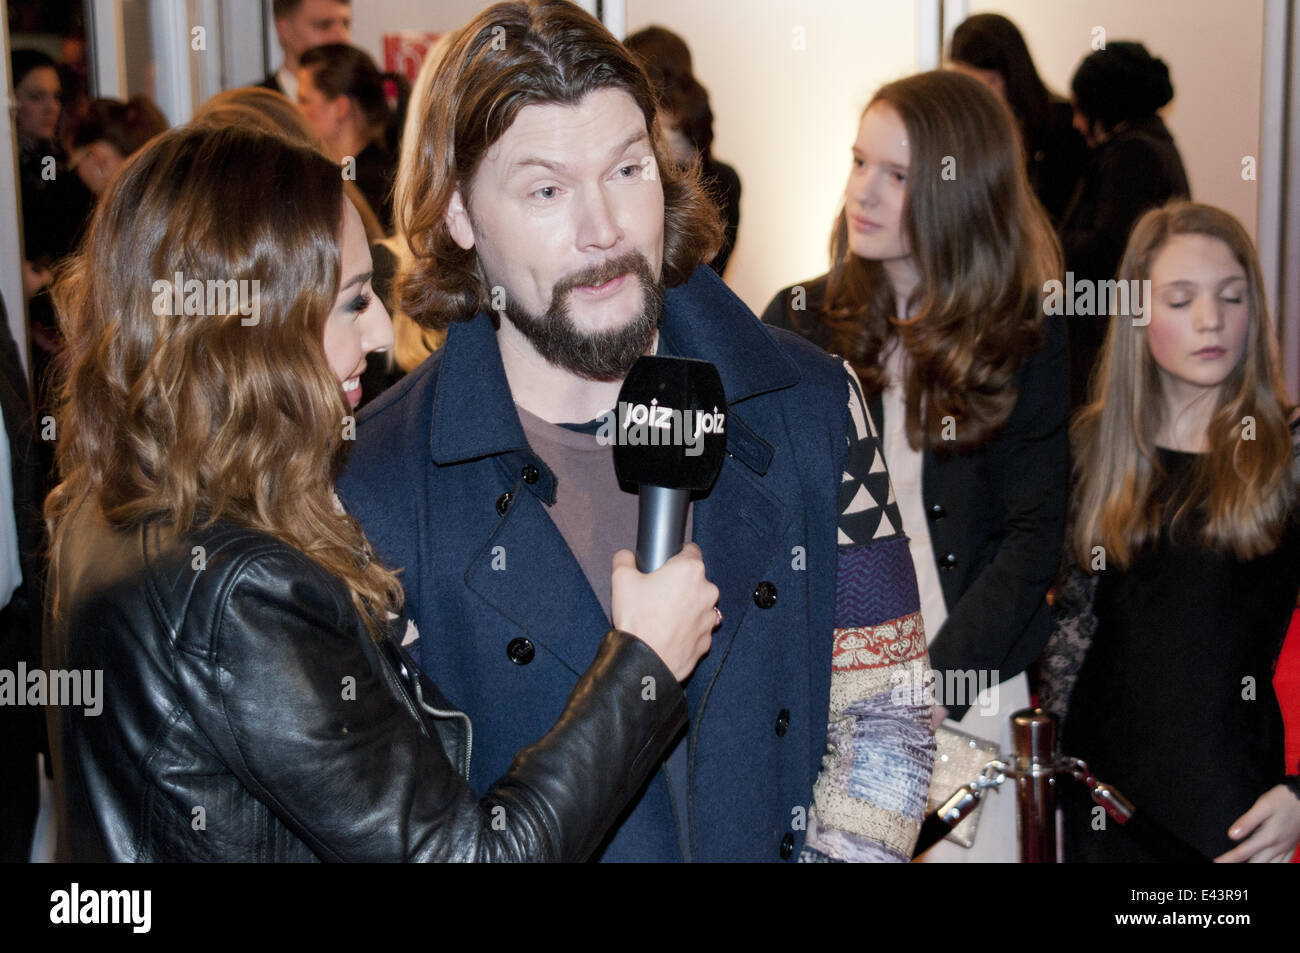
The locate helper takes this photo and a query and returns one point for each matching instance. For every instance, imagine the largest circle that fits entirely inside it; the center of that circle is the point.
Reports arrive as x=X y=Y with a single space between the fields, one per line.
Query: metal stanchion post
x=1033 y=742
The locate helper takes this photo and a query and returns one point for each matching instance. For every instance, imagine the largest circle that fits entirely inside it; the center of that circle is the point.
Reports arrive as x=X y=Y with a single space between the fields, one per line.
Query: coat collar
x=474 y=414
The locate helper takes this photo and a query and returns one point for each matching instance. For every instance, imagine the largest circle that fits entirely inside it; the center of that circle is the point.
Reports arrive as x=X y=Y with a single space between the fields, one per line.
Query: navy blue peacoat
x=448 y=490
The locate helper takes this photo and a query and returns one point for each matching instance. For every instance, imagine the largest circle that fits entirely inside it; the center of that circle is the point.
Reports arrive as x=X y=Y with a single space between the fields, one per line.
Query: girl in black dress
x=1184 y=557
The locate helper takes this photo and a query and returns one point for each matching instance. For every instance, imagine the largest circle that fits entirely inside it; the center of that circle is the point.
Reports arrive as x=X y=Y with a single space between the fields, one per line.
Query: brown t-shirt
x=593 y=513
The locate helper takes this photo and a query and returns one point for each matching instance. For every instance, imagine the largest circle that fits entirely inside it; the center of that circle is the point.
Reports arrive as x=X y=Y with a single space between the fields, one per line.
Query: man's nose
x=597 y=227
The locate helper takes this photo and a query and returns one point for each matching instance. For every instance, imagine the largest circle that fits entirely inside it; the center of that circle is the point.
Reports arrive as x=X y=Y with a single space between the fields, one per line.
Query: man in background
x=300 y=25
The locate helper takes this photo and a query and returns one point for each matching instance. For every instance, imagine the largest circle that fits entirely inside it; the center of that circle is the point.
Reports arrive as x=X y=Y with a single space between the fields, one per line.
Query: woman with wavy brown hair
x=938 y=264
x=256 y=702
x=1183 y=558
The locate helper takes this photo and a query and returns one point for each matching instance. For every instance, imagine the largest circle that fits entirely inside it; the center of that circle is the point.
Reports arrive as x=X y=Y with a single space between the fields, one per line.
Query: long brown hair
x=984 y=249
x=254 y=107
x=192 y=418
x=1242 y=487
x=510 y=56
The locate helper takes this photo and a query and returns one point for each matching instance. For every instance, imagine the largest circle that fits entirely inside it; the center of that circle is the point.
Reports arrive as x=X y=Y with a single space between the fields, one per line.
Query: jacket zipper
x=450 y=713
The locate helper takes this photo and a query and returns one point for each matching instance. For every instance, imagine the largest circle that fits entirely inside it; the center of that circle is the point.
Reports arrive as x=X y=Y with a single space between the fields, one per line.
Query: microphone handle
x=661 y=528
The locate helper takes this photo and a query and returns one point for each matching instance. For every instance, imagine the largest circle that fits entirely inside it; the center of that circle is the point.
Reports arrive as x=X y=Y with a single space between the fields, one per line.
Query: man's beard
x=605 y=355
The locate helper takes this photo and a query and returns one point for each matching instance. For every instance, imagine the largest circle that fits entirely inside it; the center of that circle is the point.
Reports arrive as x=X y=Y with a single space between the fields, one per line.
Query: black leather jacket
x=248 y=716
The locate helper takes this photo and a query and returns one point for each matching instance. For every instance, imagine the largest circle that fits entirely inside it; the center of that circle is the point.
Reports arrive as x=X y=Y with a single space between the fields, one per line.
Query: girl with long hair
x=939 y=260
x=257 y=702
x=1183 y=557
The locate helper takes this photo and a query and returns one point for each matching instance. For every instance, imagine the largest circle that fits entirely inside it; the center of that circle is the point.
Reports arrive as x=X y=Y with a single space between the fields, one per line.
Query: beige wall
x=1214 y=51
x=786 y=117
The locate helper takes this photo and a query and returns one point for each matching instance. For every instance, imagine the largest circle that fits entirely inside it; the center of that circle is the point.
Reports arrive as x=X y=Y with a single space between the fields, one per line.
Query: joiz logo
x=652 y=425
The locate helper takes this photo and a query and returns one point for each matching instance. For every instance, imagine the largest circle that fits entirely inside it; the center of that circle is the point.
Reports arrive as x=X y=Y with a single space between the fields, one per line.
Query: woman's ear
x=340 y=109
x=458 y=222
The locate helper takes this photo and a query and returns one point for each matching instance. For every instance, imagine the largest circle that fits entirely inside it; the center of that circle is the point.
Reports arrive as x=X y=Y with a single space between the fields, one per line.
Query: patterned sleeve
x=1073 y=626
x=870 y=796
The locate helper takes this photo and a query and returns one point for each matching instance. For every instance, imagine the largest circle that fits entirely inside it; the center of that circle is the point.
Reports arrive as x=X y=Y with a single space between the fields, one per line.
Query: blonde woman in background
x=1184 y=559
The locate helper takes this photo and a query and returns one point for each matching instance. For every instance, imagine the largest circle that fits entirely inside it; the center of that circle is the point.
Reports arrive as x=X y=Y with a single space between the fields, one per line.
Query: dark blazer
x=447 y=488
x=376 y=170
x=1054 y=160
x=996 y=515
x=241 y=680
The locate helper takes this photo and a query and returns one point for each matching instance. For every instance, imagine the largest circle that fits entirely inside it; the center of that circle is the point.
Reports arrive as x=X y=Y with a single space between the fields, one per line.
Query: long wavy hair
x=510 y=56
x=984 y=249
x=254 y=107
x=1242 y=488
x=187 y=419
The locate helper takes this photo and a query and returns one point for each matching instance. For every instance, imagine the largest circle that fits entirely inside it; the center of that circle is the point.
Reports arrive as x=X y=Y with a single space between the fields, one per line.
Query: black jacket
x=1054 y=159
x=248 y=716
x=996 y=515
x=1137 y=169
x=272 y=82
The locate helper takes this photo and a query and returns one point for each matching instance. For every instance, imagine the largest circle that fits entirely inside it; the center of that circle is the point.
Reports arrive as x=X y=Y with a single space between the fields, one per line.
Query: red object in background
x=404 y=52
x=1286 y=683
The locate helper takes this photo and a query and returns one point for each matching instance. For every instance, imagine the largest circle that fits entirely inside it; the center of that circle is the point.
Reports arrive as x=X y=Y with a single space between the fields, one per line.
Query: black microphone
x=671 y=437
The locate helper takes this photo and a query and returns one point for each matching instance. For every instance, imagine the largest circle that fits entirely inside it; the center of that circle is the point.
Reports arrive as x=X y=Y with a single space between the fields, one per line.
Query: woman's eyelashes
x=358 y=304
x=1182 y=301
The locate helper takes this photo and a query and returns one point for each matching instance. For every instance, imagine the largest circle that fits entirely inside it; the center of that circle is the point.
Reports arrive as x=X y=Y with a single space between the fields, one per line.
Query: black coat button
x=783 y=721
x=765 y=595
x=948 y=562
x=937 y=512
x=530 y=473
x=503 y=502
x=520 y=651
x=787 y=846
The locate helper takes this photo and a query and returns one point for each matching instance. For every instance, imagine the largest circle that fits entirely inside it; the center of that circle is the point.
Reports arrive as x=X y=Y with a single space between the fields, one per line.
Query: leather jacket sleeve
x=300 y=709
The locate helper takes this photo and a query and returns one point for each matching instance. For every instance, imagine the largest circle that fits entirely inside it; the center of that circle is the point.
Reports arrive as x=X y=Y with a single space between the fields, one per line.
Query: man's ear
x=458 y=223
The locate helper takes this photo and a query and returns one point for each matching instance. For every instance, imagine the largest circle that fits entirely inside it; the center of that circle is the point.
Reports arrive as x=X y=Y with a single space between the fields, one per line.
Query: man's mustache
x=633 y=262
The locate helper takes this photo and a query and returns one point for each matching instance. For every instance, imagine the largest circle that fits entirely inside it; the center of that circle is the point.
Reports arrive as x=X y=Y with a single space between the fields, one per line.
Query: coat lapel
x=556 y=609
x=740 y=524
x=474 y=418
x=739 y=528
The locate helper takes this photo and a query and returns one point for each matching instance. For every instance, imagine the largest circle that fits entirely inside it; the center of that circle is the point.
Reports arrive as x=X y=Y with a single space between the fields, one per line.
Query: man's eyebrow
x=558 y=167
